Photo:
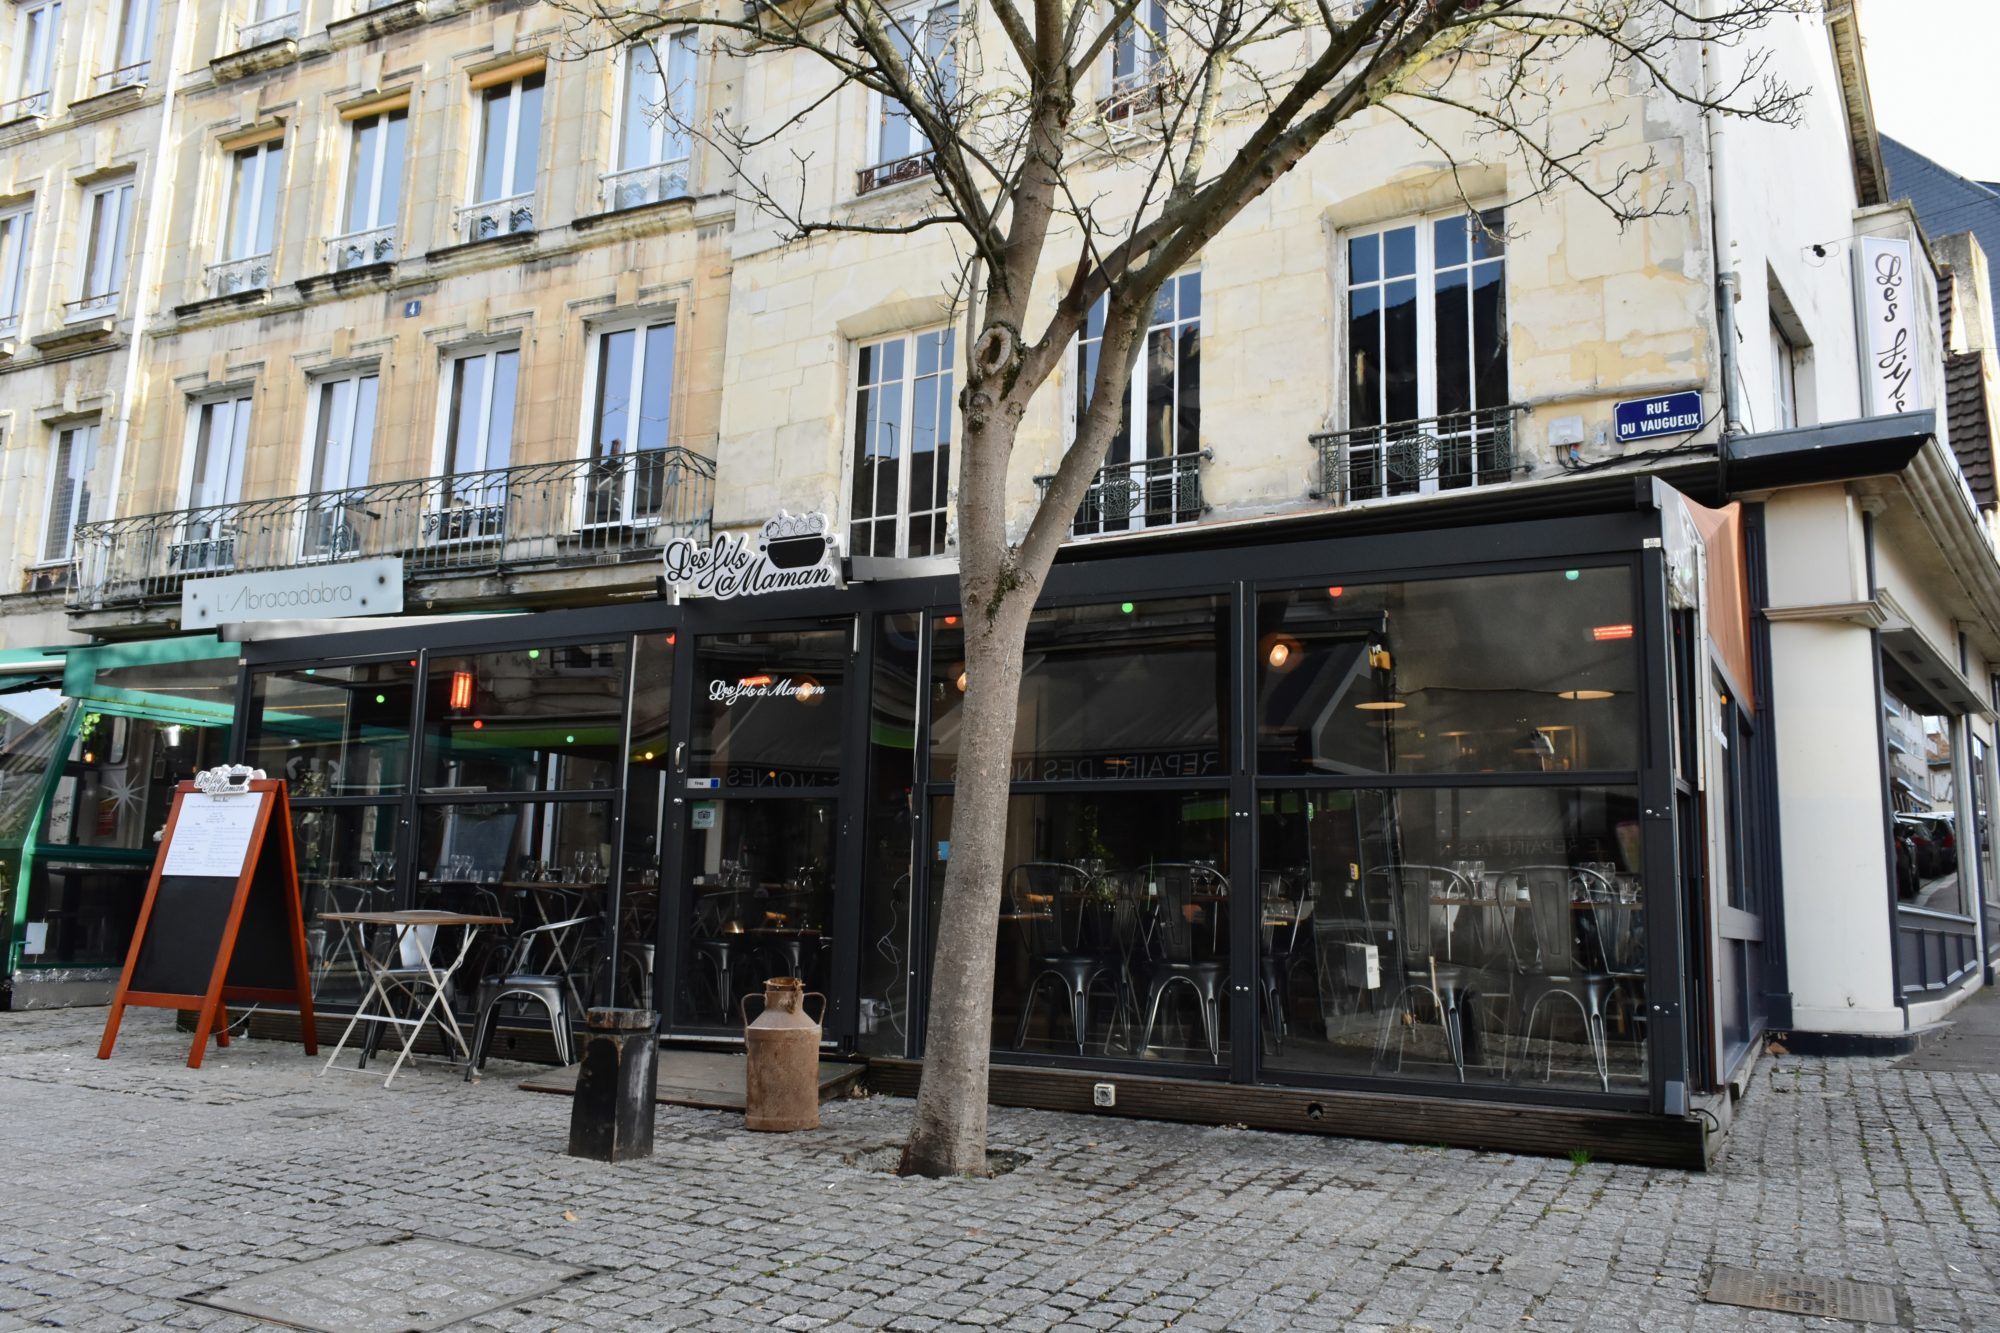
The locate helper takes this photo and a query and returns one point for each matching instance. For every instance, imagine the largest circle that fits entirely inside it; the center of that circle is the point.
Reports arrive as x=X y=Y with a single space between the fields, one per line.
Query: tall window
x=478 y=441
x=510 y=130
x=629 y=416
x=220 y=438
x=1784 y=378
x=270 y=21
x=374 y=189
x=254 y=176
x=343 y=445
x=131 y=57
x=16 y=233
x=902 y=445
x=924 y=35
x=1138 y=46
x=74 y=454
x=35 y=31
x=1151 y=470
x=107 y=214
x=1427 y=337
x=659 y=103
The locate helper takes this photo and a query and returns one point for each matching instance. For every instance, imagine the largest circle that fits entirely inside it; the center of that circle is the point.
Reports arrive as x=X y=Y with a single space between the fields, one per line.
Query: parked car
x=1933 y=844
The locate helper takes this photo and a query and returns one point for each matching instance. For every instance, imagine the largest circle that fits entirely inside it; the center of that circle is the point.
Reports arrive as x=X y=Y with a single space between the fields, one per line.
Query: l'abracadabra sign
x=789 y=554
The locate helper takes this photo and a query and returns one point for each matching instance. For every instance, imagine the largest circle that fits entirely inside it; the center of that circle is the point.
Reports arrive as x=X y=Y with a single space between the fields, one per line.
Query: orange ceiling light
x=461 y=689
x=1602 y=633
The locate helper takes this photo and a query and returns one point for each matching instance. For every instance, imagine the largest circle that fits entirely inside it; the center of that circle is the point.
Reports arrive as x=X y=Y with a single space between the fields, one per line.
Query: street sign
x=1649 y=418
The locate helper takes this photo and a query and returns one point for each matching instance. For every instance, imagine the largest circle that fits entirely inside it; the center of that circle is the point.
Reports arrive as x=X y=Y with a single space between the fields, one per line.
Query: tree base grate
x=409 y=1285
x=1797 y=1293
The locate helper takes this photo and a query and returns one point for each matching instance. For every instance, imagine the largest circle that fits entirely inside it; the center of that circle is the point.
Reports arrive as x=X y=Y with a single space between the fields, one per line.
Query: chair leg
x=1079 y=1013
x=1028 y=1010
x=482 y=1034
x=1155 y=992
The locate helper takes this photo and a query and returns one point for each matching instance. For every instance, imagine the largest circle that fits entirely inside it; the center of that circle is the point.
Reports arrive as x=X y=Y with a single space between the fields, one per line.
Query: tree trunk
x=948 y=1136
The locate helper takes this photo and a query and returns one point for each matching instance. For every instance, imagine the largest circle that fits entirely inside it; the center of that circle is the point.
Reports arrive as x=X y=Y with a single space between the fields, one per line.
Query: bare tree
x=1034 y=176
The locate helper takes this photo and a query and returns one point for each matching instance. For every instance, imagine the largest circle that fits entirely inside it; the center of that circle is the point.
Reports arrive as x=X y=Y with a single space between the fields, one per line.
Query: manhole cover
x=1796 y=1293
x=406 y=1286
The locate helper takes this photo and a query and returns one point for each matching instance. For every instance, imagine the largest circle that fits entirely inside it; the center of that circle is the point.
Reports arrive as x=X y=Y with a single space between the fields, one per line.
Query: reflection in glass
x=1121 y=690
x=1492 y=934
x=347 y=863
x=760 y=902
x=646 y=803
x=334 y=730
x=527 y=719
x=768 y=708
x=883 y=1022
x=1114 y=925
x=118 y=786
x=1919 y=742
x=1504 y=673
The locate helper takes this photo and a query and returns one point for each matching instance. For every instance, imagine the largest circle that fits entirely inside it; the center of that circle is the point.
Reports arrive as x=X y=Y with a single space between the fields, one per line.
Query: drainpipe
x=152 y=244
x=1727 y=291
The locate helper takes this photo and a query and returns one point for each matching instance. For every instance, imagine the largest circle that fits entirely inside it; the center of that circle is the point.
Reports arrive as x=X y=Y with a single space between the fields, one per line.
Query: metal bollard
x=611 y=1115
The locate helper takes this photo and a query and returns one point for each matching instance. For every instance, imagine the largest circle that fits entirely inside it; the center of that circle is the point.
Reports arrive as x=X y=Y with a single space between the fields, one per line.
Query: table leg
x=377 y=973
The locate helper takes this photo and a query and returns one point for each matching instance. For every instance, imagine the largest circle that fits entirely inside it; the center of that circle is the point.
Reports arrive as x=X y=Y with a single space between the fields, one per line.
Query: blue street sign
x=1671 y=414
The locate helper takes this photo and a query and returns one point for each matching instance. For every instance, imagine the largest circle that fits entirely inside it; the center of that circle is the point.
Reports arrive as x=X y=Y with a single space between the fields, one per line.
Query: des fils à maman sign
x=790 y=553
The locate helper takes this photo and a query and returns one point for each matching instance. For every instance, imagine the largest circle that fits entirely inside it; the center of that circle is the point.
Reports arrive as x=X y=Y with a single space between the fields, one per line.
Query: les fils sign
x=790 y=553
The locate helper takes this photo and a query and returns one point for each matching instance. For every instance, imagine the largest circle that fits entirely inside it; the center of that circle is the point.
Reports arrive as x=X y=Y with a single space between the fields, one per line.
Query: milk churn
x=781 y=1085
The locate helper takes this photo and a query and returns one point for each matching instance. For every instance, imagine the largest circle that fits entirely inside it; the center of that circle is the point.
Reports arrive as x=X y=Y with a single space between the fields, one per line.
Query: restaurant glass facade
x=1354 y=814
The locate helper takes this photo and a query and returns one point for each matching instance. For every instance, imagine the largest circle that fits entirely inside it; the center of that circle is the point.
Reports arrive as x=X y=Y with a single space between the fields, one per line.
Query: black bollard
x=611 y=1116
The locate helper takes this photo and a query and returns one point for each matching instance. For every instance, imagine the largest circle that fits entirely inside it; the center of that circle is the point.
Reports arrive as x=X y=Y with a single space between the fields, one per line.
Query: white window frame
x=103 y=274
x=949 y=370
x=590 y=498
x=1425 y=276
x=912 y=20
x=34 y=74
x=17 y=240
x=132 y=42
x=669 y=136
x=260 y=155
x=373 y=188
x=329 y=533
x=81 y=462
x=215 y=482
x=510 y=150
x=1144 y=468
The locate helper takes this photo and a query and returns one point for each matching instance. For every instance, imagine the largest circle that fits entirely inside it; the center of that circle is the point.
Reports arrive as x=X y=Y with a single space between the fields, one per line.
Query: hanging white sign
x=1891 y=365
x=792 y=552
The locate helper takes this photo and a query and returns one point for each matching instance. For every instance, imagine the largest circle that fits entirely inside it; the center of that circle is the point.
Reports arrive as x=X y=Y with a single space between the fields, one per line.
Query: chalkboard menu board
x=221 y=920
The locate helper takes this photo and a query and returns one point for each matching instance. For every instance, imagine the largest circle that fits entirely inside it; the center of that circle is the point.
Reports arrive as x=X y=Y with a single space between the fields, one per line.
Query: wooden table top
x=417 y=918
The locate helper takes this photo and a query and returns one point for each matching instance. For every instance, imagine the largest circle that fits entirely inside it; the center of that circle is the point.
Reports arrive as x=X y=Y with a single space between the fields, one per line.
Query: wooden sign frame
x=270 y=838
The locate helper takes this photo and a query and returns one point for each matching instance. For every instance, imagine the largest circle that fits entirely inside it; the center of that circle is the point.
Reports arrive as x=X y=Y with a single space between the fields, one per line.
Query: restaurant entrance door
x=760 y=810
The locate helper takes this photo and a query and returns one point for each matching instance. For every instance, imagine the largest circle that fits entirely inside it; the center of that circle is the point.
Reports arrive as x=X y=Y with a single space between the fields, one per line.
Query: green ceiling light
x=1126 y=607
x=1572 y=574
x=381 y=698
x=569 y=740
x=534 y=652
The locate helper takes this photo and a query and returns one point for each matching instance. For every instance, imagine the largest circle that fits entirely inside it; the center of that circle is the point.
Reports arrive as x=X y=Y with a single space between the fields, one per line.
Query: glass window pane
x=528 y=135
x=1448 y=242
x=500 y=420
x=527 y=719
x=1918 y=737
x=1400 y=365
x=335 y=730
x=645 y=99
x=612 y=434
x=361 y=159
x=1399 y=252
x=1364 y=258
x=1452 y=330
x=348 y=858
x=768 y=708
x=1489 y=334
x=1477 y=935
x=1364 y=356
x=267 y=202
x=468 y=385
x=1129 y=892
x=1120 y=690
x=656 y=383
x=883 y=1021
x=1533 y=672
x=760 y=901
x=389 y=202
x=495 y=107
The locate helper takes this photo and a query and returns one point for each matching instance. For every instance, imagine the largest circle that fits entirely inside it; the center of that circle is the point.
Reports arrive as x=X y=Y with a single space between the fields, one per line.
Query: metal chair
x=1454 y=975
x=514 y=981
x=1189 y=895
x=1281 y=952
x=1560 y=969
x=1046 y=899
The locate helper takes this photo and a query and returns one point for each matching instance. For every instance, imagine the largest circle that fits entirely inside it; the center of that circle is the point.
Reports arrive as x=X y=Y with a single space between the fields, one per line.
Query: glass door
x=761 y=883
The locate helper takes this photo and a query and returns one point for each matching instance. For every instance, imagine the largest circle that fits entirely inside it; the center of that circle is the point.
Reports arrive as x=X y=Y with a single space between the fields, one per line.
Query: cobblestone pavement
x=135 y=1183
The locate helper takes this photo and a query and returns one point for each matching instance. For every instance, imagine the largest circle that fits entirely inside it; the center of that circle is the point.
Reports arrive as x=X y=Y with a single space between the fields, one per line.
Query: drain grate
x=410 y=1285
x=1797 y=1293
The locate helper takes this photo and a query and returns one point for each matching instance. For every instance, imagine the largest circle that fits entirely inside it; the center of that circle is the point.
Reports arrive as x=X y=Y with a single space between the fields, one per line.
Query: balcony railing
x=1145 y=493
x=497 y=217
x=902 y=169
x=95 y=306
x=645 y=185
x=9 y=325
x=550 y=515
x=1441 y=453
x=252 y=273
x=130 y=76
x=34 y=104
x=274 y=29
x=377 y=245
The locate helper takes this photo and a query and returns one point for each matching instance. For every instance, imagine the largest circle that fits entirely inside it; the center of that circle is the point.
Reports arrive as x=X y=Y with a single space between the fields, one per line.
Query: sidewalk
x=135 y=1183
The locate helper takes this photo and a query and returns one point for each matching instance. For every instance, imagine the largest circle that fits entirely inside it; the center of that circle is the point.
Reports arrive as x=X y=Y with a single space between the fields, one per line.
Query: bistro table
x=427 y=984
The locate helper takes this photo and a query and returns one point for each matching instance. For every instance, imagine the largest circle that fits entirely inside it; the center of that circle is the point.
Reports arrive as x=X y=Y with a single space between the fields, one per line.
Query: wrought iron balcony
x=131 y=76
x=1147 y=493
x=497 y=217
x=377 y=245
x=541 y=515
x=277 y=28
x=252 y=273
x=883 y=174
x=34 y=104
x=645 y=185
x=1427 y=454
